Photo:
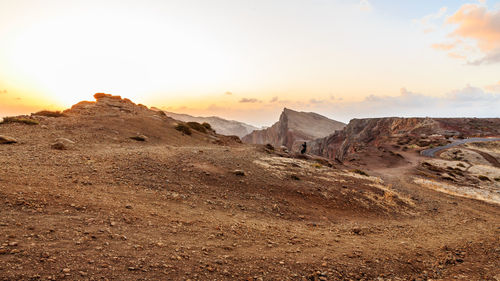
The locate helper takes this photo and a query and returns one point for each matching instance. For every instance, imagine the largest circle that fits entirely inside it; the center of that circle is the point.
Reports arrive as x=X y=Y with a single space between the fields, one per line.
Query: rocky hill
x=293 y=128
x=220 y=125
x=376 y=135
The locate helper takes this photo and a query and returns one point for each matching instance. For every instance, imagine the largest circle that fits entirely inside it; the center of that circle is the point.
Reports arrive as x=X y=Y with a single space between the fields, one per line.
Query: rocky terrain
x=293 y=128
x=364 y=138
x=111 y=190
x=220 y=125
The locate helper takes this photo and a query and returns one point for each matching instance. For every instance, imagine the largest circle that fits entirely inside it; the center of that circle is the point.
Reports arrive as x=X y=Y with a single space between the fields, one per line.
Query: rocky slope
x=220 y=125
x=365 y=136
x=293 y=128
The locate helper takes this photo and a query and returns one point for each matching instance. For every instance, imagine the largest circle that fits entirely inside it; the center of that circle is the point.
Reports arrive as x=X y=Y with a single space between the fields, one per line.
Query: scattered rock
x=239 y=172
x=139 y=138
x=62 y=144
x=7 y=140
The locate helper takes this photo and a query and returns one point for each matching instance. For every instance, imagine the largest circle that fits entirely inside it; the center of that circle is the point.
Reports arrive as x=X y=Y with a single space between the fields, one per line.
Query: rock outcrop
x=106 y=104
x=293 y=128
x=220 y=125
x=363 y=135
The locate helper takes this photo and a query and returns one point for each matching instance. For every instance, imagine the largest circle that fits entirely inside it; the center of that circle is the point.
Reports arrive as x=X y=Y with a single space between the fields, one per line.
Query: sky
x=247 y=60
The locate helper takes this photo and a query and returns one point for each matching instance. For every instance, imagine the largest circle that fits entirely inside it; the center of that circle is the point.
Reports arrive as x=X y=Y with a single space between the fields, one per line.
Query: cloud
x=315 y=101
x=274 y=99
x=490 y=58
x=228 y=93
x=476 y=22
x=454 y=55
x=466 y=102
x=446 y=46
x=494 y=88
x=428 y=23
x=472 y=95
x=364 y=5
x=247 y=100
x=3 y=91
x=477 y=31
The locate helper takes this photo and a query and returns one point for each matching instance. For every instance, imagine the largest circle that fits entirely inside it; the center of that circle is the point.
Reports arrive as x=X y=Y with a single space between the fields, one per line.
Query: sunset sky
x=246 y=60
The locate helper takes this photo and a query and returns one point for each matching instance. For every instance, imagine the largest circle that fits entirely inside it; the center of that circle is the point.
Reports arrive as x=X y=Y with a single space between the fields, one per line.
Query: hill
x=220 y=125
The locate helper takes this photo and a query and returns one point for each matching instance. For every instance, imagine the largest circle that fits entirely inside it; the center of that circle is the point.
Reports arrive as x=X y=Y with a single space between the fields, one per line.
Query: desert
x=202 y=206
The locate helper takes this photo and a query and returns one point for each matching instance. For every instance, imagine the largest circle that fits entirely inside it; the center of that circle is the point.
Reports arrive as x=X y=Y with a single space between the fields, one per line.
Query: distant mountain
x=220 y=125
x=293 y=128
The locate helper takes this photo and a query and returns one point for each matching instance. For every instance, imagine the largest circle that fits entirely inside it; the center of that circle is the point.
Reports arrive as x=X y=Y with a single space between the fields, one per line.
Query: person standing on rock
x=304 y=148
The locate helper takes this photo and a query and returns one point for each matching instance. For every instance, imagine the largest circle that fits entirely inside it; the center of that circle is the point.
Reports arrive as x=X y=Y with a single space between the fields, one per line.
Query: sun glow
x=76 y=57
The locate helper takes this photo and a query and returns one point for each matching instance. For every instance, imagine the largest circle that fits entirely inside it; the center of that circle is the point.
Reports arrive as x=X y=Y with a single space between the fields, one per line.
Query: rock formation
x=363 y=135
x=293 y=128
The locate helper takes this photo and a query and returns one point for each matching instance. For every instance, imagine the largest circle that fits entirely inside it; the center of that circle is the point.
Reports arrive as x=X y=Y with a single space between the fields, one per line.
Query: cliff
x=293 y=128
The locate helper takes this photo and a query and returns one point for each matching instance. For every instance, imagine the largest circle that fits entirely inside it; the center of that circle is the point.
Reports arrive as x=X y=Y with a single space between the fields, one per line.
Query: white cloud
x=430 y=22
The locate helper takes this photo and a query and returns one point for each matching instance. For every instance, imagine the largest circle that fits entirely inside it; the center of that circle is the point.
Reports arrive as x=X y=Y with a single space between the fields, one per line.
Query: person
x=304 y=148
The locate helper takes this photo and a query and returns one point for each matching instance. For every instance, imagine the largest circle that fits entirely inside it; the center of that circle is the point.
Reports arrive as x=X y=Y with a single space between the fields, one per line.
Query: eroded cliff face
x=393 y=133
x=293 y=128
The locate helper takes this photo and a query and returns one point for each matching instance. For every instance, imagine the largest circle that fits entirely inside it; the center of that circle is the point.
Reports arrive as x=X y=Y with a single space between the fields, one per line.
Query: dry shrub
x=184 y=129
x=360 y=172
x=207 y=126
x=197 y=126
x=269 y=146
x=483 y=178
x=19 y=120
x=48 y=113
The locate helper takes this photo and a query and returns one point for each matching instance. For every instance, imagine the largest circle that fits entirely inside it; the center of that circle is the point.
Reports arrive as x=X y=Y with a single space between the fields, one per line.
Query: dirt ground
x=179 y=207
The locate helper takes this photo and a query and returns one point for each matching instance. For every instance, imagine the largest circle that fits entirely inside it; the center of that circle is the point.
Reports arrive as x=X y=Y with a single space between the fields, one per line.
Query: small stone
x=62 y=144
x=128 y=206
x=13 y=244
x=7 y=140
x=239 y=172
x=139 y=138
x=66 y=270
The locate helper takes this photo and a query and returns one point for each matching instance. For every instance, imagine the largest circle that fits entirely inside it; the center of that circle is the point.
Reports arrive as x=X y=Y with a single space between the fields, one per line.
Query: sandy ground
x=175 y=208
